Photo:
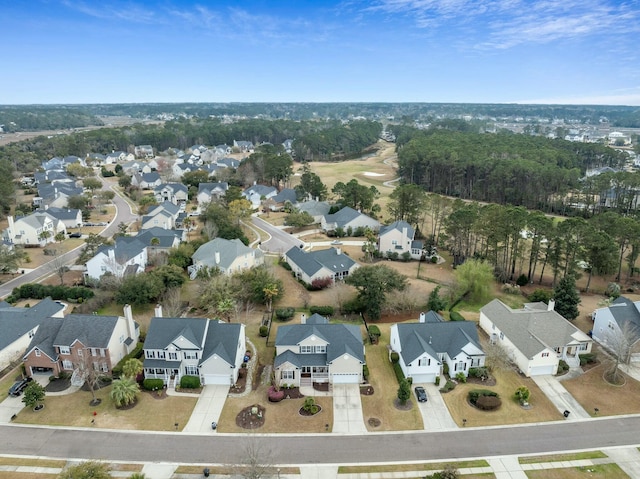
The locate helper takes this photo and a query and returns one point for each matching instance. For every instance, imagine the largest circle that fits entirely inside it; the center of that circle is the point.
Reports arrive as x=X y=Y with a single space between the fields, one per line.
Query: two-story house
x=163 y=215
x=127 y=256
x=36 y=229
x=398 y=237
x=228 y=256
x=176 y=193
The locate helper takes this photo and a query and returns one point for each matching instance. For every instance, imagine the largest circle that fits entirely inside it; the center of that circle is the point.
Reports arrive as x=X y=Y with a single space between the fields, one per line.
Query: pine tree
x=567 y=298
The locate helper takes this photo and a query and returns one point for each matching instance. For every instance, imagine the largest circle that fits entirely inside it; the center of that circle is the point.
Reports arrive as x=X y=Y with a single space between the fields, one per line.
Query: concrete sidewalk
x=347 y=409
x=560 y=397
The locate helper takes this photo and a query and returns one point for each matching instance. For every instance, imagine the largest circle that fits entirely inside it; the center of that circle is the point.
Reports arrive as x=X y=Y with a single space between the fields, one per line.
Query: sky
x=463 y=51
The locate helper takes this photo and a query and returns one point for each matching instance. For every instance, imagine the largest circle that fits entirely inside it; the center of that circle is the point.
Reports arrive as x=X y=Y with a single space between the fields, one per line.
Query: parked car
x=19 y=386
x=421 y=394
x=77 y=234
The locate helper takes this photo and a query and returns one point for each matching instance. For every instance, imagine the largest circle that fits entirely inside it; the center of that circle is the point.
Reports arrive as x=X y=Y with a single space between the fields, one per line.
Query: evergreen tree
x=567 y=298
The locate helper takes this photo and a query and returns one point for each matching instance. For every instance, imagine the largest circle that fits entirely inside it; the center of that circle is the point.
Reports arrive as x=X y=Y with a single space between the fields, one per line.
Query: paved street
x=279 y=242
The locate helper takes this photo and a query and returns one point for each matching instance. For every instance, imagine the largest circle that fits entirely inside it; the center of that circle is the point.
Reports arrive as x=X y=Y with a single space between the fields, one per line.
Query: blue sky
x=502 y=51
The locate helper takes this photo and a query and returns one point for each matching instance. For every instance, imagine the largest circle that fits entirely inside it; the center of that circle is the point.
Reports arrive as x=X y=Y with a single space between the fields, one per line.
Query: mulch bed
x=304 y=412
x=58 y=385
x=366 y=390
x=246 y=420
x=293 y=393
x=490 y=381
x=159 y=394
x=128 y=406
x=403 y=407
x=96 y=386
x=374 y=422
x=240 y=385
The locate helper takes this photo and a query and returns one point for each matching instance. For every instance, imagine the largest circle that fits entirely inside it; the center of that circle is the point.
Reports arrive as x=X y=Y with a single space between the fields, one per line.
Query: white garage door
x=424 y=378
x=216 y=379
x=346 y=378
x=541 y=370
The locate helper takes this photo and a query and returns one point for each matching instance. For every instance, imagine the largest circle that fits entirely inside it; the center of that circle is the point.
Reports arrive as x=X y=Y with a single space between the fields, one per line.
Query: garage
x=222 y=379
x=424 y=378
x=345 y=378
x=541 y=370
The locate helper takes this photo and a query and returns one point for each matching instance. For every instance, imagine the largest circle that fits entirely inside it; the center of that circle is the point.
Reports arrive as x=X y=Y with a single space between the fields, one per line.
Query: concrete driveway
x=560 y=397
x=10 y=406
x=347 y=409
x=435 y=414
x=208 y=409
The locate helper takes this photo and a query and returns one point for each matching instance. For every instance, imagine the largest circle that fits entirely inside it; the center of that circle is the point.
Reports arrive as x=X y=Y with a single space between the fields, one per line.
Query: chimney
x=303 y=318
x=131 y=327
x=217 y=257
x=157 y=312
x=423 y=317
x=552 y=305
x=429 y=339
x=11 y=232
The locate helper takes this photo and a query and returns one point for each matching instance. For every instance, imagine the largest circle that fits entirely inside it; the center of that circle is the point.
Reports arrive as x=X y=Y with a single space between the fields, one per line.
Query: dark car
x=19 y=386
x=75 y=235
x=421 y=394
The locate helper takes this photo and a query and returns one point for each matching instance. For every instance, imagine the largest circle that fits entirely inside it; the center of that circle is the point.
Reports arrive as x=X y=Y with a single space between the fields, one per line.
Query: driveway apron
x=435 y=414
x=560 y=397
x=347 y=409
x=208 y=409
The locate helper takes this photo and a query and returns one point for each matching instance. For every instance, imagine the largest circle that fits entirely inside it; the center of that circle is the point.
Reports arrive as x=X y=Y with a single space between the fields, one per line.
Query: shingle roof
x=163 y=331
x=341 y=338
x=314 y=208
x=222 y=340
x=63 y=213
x=208 y=187
x=531 y=331
x=228 y=251
x=16 y=322
x=398 y=225
x=175 y=187
x=436 y=337
x=287 y=194
x=312 y=261
x=45 y=337
x=625 y=311
x=165 y=237
x=92 y=330
x=261 y=190
x=167 y=206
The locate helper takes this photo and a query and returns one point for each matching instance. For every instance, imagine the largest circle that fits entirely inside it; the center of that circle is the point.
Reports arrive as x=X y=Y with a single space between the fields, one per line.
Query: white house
x=71 y=218
x=229 y=256
x=209 y=349
x=318 y=352
x=257 y=193
x=176 y=193
x=423 y=348
x=210 y=191
x=618 y=322
x=536 y=337
x=146 y=181
x=36 y=229
x=163 y=215
x=398 y=237
x=128 y=256
x=19 y=325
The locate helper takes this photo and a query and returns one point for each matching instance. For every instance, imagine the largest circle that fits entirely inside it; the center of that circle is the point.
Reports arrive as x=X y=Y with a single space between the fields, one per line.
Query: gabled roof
x=228 y=251
x=398 y=226
x=260 y=190
x=340 y=339
x=150 y=177
x=208 y=187
x=163 y=331
x=64 y=213
x=228 y=162
x=287 y=194
x=532 y=331
x=45 y=337
x=315 y=318
x=314 y=208
x=222 y=340
x=166 y=206
x=90 y=329
x=125 y=248
x=166 y=238
x=436 y=337
x=16 y=322
x=344 y=216
x=625 y=311
x=35 y=220
x=175 y=187
x=312 y=261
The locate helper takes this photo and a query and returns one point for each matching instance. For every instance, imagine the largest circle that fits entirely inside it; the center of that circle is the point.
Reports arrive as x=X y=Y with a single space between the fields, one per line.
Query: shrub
x=285 y=314
x=437 y=380
x=285 y=265
x=479 y=372
x=455 y=316
x=365 y=372
x=310 y=406
x=264 y=331
x=152 y=384
x=321 y=283
x=587 y=358
x=563 y=367
x=275 y=396
x=540 y=295
x=448 y=386
x=135 y=354
x=522 y=394
x=445 y=369
x=374 y=331
x=461 y=378
x=484 y=399
x=190 y=382
x=398 y=372
x=321 y=310
x=395 y=357
x=404 y=391
x=522 y=280
x=58 y=292
x=406 y=257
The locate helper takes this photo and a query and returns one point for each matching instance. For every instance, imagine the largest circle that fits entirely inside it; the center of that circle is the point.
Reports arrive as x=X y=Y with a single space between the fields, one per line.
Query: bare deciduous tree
x=172 y=303
x=622 y=343
x=497 y=357
x=258 y=461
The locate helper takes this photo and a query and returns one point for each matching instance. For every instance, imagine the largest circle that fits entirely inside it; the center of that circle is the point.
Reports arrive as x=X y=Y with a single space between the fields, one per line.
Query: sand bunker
x=369 y=173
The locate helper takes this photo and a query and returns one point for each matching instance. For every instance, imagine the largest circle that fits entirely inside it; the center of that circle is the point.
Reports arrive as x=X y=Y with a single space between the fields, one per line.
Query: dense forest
x=503 y=168
x=38 y=118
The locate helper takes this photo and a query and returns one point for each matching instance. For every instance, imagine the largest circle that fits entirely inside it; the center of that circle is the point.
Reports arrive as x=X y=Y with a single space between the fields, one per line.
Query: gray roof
x=398 y=225
x=343 y=217
x=165 y=237
x=35 y=220
x=625 y=311
x=90 y=329
x=261 y=190
x=125 y=248
x=222 y=340
x=287 y=194
x=64 y=213
x=312 y=261
x=436 y=337
x=175 y=187
x=341 y=339
x=167 y=206
x=163 y=331
x=229 y=162
x=45 y=337
x=150 y=177
x=531 y=331
x=223 y=185
x=16 y=322
x=315 y=318
x=314 y=208
x=228 y=251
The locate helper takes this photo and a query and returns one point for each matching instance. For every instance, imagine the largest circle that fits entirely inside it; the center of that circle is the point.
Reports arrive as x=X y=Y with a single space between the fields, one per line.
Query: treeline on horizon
x=17 y=118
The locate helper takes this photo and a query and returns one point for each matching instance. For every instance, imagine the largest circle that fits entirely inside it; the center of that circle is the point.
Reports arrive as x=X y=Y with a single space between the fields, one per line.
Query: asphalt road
x=280 y=242
x=319 y=449
x=123 y=214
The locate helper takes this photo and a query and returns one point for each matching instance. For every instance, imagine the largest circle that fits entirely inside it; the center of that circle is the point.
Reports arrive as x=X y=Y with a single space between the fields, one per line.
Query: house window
x=501 y=335
x=102 y=352
x=64 y=350
x=321 y=349
x=121 y=338
x=583 y=347
x=150 y=354
x=545 y=355
x=79 y=353
x=191 y=370
x=66 y=364
x=287 y=375
x=96 y=366
x=424 y=362
x=306 y=349
x=610 y=325
x=173 y=356
x=161 y=355
x=104 y=367
x=37 y=353
x=190 y=355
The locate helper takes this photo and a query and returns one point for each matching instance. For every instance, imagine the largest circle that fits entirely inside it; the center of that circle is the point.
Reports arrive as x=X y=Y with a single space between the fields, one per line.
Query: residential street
x=279 y=242
x=151 y=446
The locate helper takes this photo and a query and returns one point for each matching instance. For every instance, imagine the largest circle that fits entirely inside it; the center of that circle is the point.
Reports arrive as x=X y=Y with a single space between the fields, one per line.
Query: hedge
x=321 y=310
x=455 y=316
x=587 y=358
x=57 y=292
x=365 y=372
x=190 y=382
x=152 y=384
x=397 y=369
x=374 y=330
x=285 y=314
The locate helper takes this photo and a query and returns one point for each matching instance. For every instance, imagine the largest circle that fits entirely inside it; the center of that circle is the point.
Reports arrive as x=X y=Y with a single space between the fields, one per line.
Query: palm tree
x=131 y=368
x=124 y=391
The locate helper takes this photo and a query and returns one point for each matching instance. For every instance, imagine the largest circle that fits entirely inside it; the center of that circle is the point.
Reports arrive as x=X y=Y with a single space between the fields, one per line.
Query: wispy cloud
x=128 y=12
x=506 y=23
